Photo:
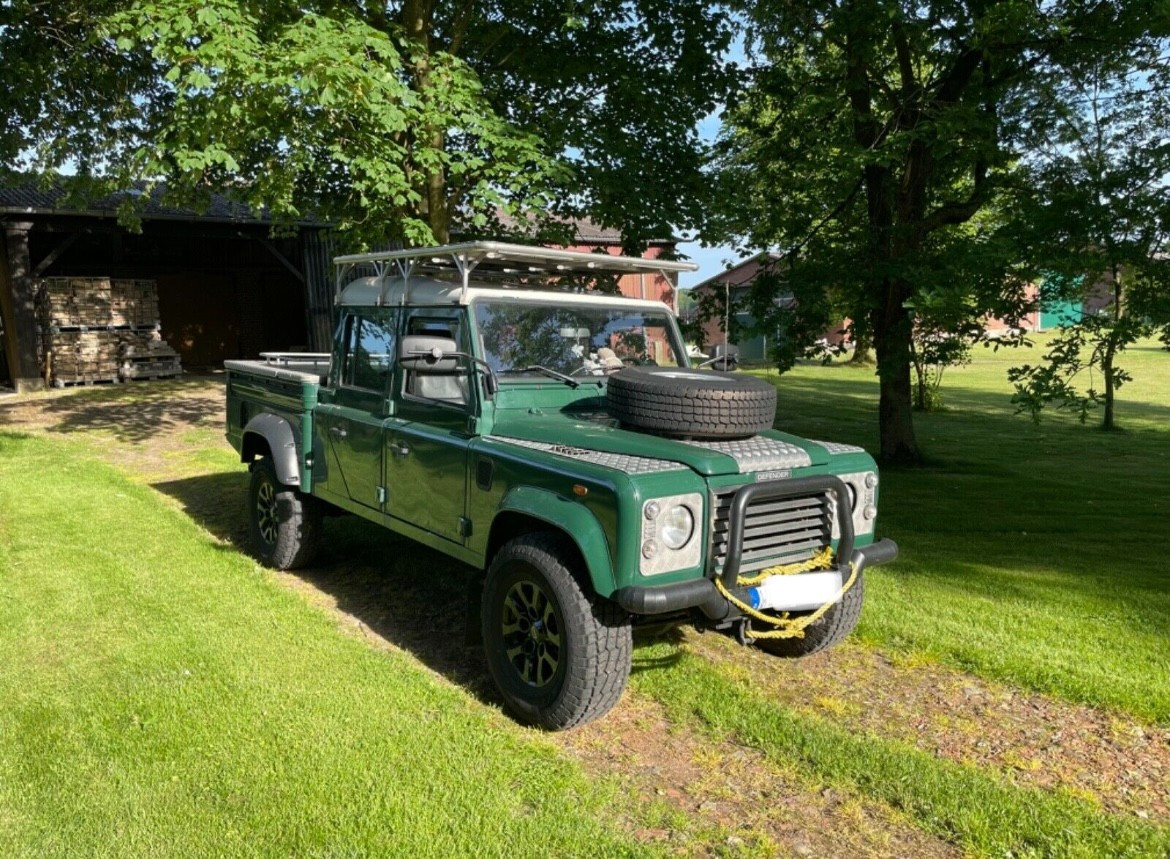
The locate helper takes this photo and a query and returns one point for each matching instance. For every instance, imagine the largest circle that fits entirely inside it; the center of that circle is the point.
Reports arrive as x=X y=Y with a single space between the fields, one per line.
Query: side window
x=369 y=352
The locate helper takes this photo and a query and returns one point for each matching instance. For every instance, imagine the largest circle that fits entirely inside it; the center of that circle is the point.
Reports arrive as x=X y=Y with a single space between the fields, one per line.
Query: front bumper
x=702 y=594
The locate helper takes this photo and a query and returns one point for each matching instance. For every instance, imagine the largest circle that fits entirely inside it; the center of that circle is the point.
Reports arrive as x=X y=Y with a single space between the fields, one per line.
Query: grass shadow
x=401 y=592
x=133 y=412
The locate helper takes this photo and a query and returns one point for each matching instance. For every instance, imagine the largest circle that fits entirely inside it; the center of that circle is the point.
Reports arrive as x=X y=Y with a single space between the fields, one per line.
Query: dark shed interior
x=227 y=286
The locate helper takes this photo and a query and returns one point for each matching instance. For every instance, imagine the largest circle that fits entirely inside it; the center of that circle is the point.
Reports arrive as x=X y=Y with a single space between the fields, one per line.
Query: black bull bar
x=702 y=594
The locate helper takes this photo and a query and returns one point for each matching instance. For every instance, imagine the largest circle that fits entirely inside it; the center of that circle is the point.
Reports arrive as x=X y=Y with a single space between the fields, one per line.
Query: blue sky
x=714 y=260
x=711 y=262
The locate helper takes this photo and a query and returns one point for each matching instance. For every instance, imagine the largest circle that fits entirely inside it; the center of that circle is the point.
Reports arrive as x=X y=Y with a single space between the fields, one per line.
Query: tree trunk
x=416 y=17
x=861 y=346
x=1109 y=423
x=891 y=333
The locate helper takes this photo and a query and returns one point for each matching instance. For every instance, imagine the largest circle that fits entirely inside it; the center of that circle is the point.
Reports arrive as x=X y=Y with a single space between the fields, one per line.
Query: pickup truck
x=485 y=400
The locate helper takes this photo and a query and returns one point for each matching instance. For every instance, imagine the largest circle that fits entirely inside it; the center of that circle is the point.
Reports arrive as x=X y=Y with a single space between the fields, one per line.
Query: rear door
x=353 y=422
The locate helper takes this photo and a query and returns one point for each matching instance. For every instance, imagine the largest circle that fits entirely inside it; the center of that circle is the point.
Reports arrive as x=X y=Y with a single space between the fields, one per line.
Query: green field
x=163 y=695
x=1035 y=554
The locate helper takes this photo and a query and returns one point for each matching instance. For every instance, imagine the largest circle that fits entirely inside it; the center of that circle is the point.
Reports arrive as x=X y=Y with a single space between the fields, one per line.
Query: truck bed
x=307 y=367
x=280 y=384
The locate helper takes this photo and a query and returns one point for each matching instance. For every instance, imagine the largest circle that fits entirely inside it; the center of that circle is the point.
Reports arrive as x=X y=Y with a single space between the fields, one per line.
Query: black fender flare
x=278 y=435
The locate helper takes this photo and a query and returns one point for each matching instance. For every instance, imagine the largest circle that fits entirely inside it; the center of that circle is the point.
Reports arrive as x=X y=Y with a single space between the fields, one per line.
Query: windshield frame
x=674 y=335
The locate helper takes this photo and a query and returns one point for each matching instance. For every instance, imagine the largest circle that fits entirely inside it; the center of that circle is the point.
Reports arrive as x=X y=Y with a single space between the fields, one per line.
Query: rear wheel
x=559 y=657
x=833 y=627
x=285 y=525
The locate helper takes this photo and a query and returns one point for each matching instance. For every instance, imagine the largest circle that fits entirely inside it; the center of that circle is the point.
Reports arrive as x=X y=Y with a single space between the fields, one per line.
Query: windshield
x=576 y=340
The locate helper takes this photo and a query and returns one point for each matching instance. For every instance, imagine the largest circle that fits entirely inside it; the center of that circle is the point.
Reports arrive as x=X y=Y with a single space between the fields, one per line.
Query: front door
x=354 y=419
x=426 y=450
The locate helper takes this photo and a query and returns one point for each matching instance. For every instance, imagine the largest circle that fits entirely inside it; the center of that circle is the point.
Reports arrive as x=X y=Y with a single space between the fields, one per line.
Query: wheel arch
x=271 y=435
x=527 y=509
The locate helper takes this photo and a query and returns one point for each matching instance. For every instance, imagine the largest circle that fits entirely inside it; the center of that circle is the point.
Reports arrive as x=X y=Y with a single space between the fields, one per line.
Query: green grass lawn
x=975 y=808
x=162 y=695
x=1034 y=554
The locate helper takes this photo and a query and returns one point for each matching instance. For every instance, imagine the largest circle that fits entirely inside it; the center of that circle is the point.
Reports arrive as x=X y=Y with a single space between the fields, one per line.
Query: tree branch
x=459 y=30
x=961 y=212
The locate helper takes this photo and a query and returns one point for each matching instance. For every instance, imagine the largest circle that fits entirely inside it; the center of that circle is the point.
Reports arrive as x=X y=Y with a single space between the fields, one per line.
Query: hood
x=594 y=429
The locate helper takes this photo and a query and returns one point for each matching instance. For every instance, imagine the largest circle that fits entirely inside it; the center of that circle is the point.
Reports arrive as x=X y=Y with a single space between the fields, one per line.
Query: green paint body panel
x=461 y=481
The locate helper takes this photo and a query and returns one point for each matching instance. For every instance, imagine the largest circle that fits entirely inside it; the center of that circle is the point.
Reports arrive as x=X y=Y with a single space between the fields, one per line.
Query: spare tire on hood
x=682 y=403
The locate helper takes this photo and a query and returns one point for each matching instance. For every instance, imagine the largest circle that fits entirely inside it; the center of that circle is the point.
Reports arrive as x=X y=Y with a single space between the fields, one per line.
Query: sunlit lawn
x=164 y=696
x=1036 y=554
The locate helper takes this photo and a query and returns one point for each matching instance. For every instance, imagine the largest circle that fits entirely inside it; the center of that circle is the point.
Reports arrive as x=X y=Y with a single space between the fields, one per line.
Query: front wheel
x=559 y=658
x=833 y=627
x=285 y=525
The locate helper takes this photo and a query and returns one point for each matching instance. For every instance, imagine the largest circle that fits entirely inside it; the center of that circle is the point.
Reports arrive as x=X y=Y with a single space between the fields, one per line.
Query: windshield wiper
x=552 y=374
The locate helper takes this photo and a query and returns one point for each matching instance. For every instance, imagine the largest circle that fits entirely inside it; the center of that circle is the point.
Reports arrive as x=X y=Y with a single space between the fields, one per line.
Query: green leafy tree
x=397 y=120
x=1100 y=213
x=871 y=134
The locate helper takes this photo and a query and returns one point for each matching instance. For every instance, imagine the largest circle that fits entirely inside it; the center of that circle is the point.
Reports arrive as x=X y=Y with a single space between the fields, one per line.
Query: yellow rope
x=819 y=561
x=787 y=627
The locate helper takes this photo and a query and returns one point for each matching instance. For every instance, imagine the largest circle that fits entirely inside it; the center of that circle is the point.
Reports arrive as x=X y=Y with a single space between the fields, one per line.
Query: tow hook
x=743 y=631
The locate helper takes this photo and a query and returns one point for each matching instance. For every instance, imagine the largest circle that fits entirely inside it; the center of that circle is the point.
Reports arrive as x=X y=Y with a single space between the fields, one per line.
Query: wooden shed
x=228 y=287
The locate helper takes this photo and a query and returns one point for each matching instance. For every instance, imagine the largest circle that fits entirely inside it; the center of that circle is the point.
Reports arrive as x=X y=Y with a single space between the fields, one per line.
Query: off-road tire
x=682 y=403
x=595 y=642
x=285 y=525
x=832 y=628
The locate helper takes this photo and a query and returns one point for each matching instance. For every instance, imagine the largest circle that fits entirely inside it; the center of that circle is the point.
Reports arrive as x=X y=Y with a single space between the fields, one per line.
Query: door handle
x=399 y=448
x=339 y=432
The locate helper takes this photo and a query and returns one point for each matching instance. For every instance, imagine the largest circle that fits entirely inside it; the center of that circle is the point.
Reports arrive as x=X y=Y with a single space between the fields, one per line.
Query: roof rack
x=497 y=258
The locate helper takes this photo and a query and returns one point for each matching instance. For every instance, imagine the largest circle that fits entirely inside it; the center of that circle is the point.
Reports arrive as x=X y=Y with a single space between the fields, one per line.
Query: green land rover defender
x=488 y=401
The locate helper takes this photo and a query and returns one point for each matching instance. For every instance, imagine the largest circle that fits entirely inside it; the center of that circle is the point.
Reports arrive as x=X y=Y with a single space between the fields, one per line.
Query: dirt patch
x=750 y=804
x=147 y=424
x=1112 y=761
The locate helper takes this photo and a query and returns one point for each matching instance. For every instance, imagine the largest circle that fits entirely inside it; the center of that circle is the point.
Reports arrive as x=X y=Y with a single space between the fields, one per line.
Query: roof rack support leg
x=466 y=267
x=405 y=270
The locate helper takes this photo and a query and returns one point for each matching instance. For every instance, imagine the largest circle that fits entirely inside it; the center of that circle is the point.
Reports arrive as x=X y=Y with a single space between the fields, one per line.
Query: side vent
x=485 y=472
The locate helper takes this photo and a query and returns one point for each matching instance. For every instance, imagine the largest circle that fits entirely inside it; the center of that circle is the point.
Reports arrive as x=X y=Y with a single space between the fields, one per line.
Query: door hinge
x=380 y=492
x=464 y=526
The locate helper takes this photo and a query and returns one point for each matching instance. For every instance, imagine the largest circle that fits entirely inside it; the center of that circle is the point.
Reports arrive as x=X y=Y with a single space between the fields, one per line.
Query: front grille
x=776 y=530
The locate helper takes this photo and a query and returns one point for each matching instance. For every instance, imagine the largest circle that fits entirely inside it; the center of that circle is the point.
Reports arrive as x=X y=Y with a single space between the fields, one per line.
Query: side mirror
x=430 y=355
x=725 y=357
x=424 y=353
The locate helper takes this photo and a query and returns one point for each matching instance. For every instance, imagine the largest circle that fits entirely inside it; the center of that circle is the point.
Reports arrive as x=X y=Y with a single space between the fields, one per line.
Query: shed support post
x=18 y=304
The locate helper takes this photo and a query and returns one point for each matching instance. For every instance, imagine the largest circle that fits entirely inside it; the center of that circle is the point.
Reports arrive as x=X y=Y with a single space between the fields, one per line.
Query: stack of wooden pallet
x=99 y=302
x=78 y=357
x=145 y=355
x=99 y=329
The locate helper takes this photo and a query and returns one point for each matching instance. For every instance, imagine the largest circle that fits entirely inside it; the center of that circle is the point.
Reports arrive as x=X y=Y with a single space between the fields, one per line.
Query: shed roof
x=740 y=274
x=24 y=195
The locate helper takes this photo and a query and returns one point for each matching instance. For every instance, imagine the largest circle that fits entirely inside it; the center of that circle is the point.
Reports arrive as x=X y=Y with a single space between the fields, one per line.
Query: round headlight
x=677 y=526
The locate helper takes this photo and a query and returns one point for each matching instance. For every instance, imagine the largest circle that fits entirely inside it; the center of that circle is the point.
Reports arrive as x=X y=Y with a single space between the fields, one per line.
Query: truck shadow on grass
x=400 y=592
